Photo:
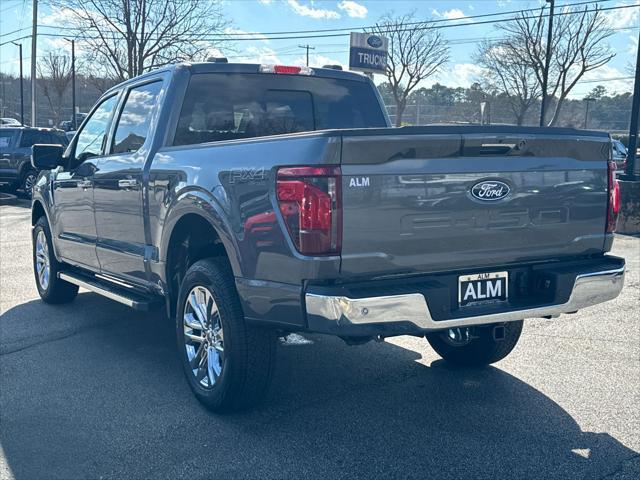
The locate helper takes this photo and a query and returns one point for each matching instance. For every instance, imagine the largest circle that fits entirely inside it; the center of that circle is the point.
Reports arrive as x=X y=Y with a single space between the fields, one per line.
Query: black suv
x=15 y=154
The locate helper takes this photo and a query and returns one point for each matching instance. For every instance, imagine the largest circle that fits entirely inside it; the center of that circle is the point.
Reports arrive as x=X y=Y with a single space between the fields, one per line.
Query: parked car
x=15 y=154
x=9 y=122
x=252 y=201
x=619 y=156
x=67 y=125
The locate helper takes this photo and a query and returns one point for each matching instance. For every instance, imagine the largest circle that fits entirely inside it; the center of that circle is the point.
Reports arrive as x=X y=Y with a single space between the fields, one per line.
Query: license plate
x=483 y=288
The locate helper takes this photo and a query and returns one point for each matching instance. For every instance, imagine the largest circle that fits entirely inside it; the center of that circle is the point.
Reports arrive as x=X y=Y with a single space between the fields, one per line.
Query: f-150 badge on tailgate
x=490 y=190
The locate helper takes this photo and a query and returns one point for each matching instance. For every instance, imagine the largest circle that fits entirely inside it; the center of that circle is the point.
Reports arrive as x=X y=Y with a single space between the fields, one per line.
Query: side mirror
x=46 y=157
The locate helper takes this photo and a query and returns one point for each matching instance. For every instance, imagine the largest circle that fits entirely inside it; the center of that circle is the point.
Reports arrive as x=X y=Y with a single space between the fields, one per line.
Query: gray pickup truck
x=253 y=201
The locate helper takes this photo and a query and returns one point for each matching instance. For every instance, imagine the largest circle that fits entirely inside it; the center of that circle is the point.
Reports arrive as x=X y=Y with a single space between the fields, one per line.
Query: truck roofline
x=247 y=68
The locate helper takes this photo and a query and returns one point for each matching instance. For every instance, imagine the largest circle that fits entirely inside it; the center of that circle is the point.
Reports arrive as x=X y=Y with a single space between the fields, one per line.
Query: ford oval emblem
x=490 y=190
x=374 y=41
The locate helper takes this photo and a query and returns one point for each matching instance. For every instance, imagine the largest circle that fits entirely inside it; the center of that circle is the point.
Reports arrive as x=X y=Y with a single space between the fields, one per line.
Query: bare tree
x=509 y=75
x=416 y=51
x=129 y=37
x=54 y=72
x=578 y=46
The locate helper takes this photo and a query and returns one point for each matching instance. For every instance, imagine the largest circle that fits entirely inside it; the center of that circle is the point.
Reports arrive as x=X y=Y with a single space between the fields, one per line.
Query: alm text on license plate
x=483 y=288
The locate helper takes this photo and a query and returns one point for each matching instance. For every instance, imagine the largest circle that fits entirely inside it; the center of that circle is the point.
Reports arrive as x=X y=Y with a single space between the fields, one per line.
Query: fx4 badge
x=246 y=175
x=359 y=182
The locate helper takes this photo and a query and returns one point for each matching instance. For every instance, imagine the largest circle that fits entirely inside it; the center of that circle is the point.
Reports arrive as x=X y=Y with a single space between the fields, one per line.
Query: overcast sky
x=287 y=15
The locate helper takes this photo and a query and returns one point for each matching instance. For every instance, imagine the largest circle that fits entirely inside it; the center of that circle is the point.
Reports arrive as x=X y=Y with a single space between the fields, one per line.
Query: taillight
x=613 y=207
x=311 y=205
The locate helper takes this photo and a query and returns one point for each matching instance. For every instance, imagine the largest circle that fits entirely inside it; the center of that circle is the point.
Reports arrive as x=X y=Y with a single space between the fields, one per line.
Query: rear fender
x=207 y=206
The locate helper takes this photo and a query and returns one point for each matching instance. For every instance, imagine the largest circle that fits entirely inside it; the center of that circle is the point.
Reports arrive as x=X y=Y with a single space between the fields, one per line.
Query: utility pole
x=586 y=111
x=547 y=61
x=307 y=47
x=34 y=42
x=21 y=84
x=633 y=166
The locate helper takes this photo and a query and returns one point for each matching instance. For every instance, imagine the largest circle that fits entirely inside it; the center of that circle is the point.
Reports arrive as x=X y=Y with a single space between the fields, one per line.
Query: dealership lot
x=94 y=390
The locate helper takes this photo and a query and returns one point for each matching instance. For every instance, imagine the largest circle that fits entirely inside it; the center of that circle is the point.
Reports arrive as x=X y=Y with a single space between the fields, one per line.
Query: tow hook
x=458 y=336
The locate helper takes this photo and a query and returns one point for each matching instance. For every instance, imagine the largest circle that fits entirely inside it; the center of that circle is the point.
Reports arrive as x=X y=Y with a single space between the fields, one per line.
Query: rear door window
x=29 y=138
x=221 y=106
x=135 y=119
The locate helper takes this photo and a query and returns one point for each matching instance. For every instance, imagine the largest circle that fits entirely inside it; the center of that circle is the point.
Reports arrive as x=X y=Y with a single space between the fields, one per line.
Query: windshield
x=221 y=106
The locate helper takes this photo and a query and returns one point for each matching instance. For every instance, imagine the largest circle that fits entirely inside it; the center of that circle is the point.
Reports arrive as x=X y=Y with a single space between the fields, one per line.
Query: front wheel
x=228 y=363
x=476 y=346
x=27 y=182
x=45 y=267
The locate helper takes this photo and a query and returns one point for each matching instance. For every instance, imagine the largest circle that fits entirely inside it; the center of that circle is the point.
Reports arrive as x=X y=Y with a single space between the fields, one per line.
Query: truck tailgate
x=441 y=198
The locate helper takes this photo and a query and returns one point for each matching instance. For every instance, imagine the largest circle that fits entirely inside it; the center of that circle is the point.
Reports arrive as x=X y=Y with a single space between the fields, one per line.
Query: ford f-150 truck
x=252 y=201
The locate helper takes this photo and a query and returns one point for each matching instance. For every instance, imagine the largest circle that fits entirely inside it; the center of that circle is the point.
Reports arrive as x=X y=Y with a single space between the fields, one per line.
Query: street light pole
x=547 y=61
x=21 y=84
x=34 y=43
x=73 y=84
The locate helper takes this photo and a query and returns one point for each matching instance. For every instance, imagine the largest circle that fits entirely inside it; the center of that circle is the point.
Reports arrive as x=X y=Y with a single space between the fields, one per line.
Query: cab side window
x=92 y=137
x=135 y=119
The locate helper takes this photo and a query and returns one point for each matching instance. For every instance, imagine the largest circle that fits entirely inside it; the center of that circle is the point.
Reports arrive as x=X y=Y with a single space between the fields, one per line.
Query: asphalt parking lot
x=94 y=390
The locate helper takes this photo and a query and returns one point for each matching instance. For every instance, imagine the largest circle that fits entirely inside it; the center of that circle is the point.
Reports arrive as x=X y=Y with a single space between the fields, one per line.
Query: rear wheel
x=45 y=267
x=476 y=346
x=228 y=363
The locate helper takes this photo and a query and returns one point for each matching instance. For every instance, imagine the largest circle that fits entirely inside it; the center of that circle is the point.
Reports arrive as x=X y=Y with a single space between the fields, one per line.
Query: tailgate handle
x=497 y=148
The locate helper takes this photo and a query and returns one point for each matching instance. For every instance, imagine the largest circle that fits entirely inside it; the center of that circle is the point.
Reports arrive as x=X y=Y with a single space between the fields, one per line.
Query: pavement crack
x=8 y=350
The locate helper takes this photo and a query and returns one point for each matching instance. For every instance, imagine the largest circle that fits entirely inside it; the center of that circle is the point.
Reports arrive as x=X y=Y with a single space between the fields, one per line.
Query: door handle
x=128 y=183
x=6 y=155
x=84 y=183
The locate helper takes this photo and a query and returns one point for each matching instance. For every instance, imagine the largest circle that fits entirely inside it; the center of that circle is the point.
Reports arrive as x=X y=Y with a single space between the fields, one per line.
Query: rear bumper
x=592 y=283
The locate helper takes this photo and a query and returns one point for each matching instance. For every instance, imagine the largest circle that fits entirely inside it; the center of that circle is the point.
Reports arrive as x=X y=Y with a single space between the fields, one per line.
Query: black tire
x=482 y=349
x=55 y=291
x=248 y=357
x=27 y=180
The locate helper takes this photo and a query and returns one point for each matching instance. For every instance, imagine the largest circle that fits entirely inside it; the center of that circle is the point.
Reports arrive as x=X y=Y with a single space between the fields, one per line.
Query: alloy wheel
x=203 y=336
x=43 y=265
x=29 y=182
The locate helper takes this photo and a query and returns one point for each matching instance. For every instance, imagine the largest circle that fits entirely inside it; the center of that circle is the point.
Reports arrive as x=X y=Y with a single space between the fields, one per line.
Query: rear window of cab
x=229 y=106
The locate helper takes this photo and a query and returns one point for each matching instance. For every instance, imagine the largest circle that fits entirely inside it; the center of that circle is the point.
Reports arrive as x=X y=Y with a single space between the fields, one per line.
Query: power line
x=428 y=24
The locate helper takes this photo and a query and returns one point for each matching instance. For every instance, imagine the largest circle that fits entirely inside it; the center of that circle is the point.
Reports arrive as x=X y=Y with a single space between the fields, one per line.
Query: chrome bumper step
x=588 y=289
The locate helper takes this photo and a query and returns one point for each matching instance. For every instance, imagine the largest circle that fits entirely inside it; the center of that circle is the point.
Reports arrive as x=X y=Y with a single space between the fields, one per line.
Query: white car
x=9 y=122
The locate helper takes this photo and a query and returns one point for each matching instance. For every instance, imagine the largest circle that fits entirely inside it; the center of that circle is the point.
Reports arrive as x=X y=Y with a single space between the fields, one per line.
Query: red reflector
x=310 y=203
x=613 y=206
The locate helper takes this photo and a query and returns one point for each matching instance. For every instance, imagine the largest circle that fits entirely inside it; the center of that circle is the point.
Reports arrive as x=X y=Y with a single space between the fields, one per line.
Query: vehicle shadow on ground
x=16 y=199
x=109 y=401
